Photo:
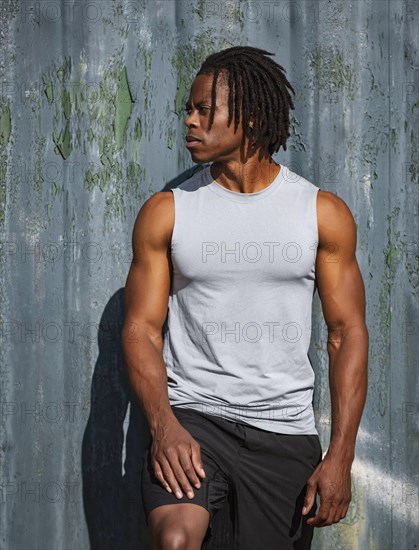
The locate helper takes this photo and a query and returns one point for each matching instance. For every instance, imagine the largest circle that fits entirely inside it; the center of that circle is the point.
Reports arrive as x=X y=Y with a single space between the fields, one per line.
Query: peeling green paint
x=49 y=210
x=147 y=70
x=5 y=125
x=413 y=170
x=63 y=142
x=296 y=138
x=137 y=130
x=133 y=172
x=64 y=71
x=115 y=21
x=101 y=143
x=91 y=179
x=330 y=72
x=135 y=144
x=48 y=90
x=393 y=138
x=411 y=262
x=366 y=148
x=180 y=97
x=392 y=255
x=99 y=119
x=106 y=157
x=199 y=9
x=5 y=132
x=233 y=14
x=146 y=85
x=39 y=153
x=170 y=135
x=104 y=180
x=66 y=104
x=123 y=108
x=3 y=170
x=64 y=107
x=109 y=115
x=55 y=137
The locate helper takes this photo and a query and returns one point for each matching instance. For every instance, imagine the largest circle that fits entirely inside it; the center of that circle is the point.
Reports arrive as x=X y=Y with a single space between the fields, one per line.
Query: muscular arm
x=342 y=295
x=146 y=297
x=175 y=455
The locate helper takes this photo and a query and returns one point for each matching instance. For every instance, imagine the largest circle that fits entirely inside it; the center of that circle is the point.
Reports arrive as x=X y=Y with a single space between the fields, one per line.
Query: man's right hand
x=176 y=458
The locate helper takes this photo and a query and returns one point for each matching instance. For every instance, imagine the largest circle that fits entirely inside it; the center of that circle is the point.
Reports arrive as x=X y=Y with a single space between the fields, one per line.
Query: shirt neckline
x=243 y=197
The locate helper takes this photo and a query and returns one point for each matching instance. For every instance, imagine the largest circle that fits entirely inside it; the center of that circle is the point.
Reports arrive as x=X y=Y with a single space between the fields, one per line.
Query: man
x=232 y=258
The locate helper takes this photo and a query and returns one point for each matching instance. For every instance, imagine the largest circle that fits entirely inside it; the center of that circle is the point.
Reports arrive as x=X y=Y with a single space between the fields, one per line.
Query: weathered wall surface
x=91 y=124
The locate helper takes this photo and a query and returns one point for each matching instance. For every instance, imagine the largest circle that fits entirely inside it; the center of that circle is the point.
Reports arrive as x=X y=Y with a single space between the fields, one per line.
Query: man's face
x=220 y=143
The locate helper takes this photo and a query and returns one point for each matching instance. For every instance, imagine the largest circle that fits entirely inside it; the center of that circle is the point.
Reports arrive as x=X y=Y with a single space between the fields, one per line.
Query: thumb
x=310 y=497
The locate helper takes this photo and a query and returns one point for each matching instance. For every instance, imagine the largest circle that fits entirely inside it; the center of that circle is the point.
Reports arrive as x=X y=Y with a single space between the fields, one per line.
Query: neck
x=248 y=177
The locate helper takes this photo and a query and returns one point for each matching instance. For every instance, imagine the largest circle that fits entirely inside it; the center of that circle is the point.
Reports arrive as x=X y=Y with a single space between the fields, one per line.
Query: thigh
x=214 y=487
x=269 y=490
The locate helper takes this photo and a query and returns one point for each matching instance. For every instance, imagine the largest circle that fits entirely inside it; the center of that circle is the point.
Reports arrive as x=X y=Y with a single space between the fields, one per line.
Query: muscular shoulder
x=155 y=220
x=335 y=220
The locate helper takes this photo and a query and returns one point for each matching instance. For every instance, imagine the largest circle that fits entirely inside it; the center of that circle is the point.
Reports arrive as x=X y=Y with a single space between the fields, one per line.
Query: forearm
x=148 y=375
x=348 y=378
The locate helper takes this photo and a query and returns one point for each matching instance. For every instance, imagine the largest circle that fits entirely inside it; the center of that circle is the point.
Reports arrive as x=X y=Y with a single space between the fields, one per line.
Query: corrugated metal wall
x=91 y=125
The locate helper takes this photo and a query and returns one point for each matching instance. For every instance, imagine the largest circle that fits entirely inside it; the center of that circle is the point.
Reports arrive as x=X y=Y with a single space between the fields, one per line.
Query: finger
x=168 y=477
x=197 y=461
x=181 y=479
x=338 y=514
x=309 y=497
x=323 y=513
x=341 y=512
x=345 y=509
x=333 y=495
x=189 y=469
x=331 y=516
x=158 y=472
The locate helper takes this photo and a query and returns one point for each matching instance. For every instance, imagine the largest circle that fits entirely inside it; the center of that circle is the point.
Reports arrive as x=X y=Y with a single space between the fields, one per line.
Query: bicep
x=147 y=287
x=339 y=280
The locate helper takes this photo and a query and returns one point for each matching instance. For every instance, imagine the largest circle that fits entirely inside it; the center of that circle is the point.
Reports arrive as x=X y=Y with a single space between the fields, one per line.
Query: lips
x=192 y=142
x=191 y=139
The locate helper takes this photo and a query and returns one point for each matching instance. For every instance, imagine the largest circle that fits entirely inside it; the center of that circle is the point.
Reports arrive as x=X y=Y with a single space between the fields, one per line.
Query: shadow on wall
x=111 y=486
x=111 y=482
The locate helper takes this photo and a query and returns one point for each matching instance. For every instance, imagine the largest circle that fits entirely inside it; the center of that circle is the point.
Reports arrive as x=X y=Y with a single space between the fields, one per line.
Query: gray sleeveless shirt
x=239 y=320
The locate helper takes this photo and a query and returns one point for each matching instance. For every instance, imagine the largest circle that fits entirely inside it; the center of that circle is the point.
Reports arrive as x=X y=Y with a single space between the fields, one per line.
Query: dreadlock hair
x=259 y=87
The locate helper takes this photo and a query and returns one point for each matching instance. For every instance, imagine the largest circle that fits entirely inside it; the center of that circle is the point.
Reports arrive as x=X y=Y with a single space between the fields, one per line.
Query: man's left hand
x=332 y=480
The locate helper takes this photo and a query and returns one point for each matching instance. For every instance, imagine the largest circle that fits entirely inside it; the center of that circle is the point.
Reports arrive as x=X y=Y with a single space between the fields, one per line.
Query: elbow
x=336 y=334
x=341 y=332
x=135 y=333
x=129 y=334
x=358 y=330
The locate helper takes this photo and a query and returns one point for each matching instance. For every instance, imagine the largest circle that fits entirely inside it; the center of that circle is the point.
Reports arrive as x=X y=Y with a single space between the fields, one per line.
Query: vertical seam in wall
x=391 y=235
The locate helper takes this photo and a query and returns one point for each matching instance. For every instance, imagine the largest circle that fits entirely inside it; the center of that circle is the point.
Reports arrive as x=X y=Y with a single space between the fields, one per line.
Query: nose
x=190 y=120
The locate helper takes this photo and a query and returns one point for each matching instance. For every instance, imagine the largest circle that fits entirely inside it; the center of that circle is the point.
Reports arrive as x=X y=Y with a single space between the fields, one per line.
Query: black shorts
x=265 y=473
